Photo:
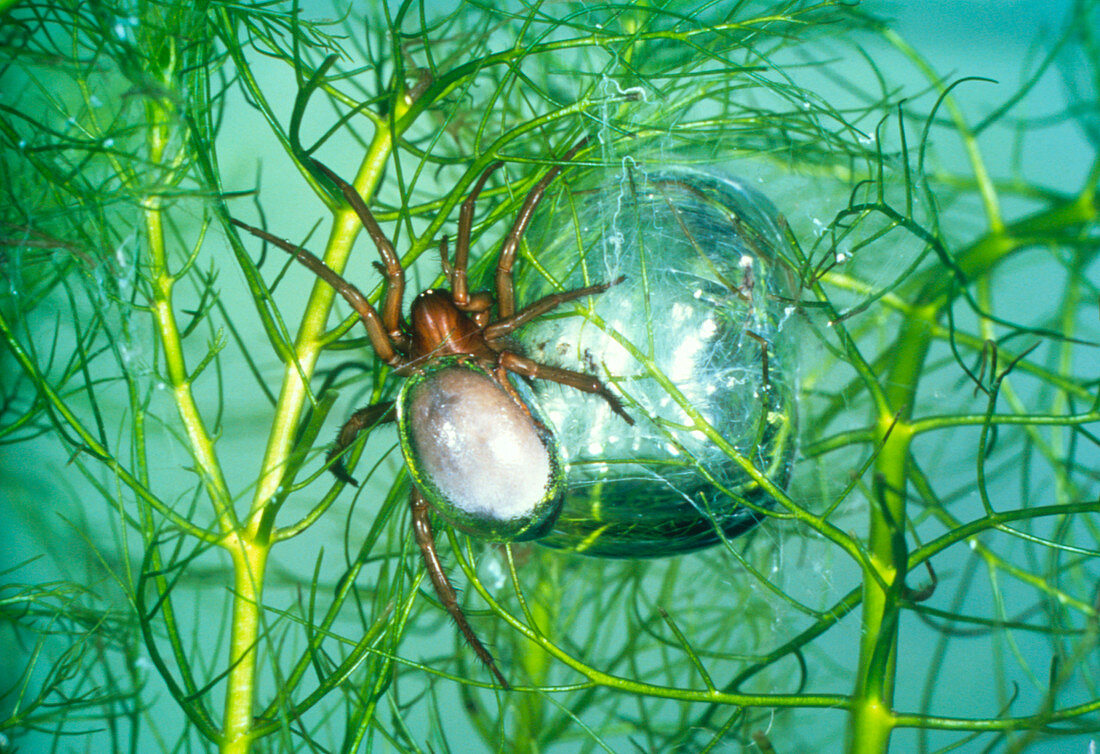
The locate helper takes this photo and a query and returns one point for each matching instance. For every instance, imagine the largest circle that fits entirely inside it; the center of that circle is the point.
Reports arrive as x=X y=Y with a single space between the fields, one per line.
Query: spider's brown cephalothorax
x=478 y=454
x=439 y=328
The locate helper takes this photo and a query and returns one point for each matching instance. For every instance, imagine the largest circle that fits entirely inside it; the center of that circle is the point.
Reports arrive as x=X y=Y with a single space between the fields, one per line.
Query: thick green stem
x=530 y=717
x=248 y=557
x=202 y=444
x=250 y=549
x=249 y=561
x=163 y=280
x=310 y=340
x=872 y=717
x=872 y=721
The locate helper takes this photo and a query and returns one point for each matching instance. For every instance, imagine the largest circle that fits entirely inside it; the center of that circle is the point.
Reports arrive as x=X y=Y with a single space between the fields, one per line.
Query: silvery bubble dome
x=695 y=337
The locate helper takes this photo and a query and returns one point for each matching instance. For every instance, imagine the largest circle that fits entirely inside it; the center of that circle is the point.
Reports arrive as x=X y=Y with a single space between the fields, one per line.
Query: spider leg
x=503 y=327
x=525 y=367
x=460 y=290
x=395 y=273
x=445 y=263
x=477 y=305
x=506 y=291
x=364 y=418
x=422 y=529
x=763 y=357
x=376 y=329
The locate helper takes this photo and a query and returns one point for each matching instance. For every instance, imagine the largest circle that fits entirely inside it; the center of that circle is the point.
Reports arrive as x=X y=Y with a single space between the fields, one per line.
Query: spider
x=478 y=454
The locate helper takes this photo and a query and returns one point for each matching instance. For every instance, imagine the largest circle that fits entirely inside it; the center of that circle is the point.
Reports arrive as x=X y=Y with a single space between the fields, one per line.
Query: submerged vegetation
x=180 y=569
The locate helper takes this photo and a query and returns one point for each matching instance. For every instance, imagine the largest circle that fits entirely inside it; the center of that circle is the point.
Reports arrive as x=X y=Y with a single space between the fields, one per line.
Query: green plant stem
x=530 y=714
x=202 y=445
x=253 y=545
x=873 y=719
x=249 y=561
x=163 y=281
x=597 y=677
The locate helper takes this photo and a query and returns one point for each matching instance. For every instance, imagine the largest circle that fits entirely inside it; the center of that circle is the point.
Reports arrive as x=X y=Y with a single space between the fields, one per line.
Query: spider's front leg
x=384 y=347
x=460 y=289
x=425 y=539
x=506 y=287
x=391 y=265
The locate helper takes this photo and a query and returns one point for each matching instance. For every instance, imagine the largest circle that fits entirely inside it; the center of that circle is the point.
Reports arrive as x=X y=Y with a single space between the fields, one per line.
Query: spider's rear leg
x=425 y=539
x=364 y=418
x=525 y=367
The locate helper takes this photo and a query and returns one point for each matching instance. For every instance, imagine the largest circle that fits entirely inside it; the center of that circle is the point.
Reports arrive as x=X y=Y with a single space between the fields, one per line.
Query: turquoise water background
x=48 y=517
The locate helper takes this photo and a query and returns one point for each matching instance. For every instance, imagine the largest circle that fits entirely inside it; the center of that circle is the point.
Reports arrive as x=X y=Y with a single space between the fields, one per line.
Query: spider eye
x=476 y=455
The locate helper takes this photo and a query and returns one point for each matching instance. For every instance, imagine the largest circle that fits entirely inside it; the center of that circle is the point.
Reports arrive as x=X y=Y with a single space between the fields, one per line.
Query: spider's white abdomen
x=482 y=462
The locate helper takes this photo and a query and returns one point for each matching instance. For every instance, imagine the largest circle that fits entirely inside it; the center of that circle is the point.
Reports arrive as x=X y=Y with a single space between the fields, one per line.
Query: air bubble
x=492 y=571
x=675 y=331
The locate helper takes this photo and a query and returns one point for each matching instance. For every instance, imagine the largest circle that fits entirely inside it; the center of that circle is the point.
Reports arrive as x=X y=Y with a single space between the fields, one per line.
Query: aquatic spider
x=477 y=453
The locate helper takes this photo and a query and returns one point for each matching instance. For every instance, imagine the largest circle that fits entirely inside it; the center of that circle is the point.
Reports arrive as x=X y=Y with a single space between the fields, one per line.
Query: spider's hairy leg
x=763 y=356
x=365 y=418
x=444 y=262
x=422 y=529
x=525 y=367
x=394 y=272
x=506 y=291
x=457 y=275
x=503 y=327
x=376 y=330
